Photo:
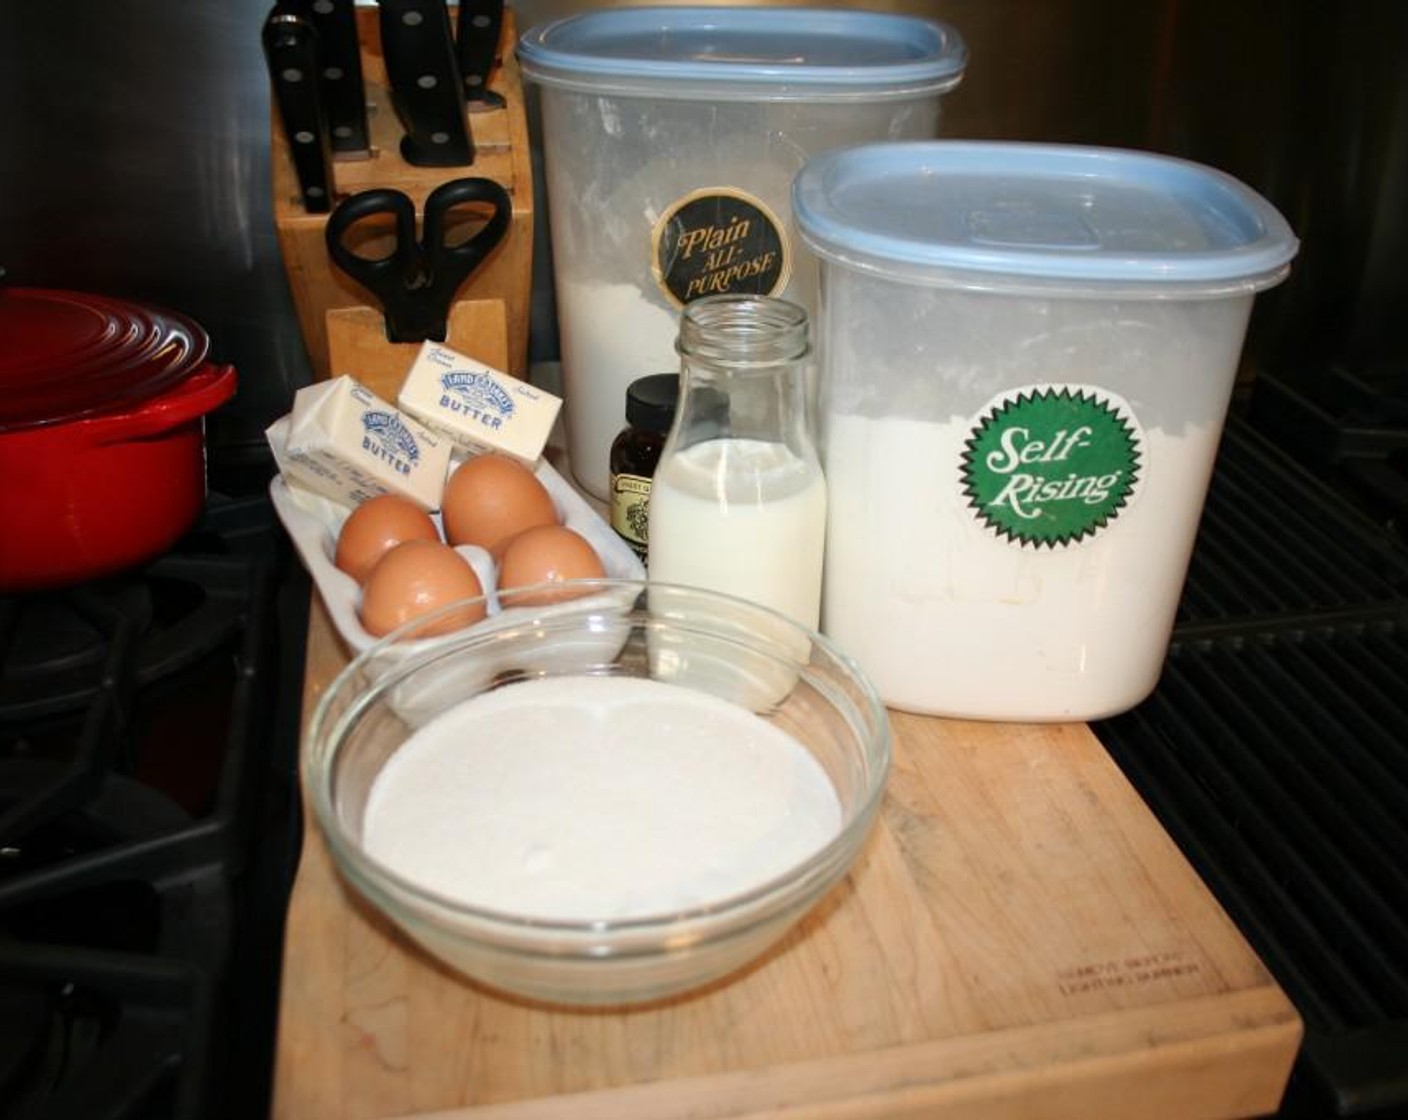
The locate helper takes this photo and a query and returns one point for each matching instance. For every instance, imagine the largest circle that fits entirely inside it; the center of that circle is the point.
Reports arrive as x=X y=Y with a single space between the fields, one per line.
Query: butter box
x=345 y=443
x=476 y=406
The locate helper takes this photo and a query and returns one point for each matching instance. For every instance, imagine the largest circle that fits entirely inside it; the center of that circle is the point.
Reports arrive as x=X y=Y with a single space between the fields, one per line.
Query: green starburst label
x=1052 y=465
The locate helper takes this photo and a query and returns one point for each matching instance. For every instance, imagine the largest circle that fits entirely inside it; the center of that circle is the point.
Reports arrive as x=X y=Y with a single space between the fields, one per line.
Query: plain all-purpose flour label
x=719 y=240
x=1053 y=465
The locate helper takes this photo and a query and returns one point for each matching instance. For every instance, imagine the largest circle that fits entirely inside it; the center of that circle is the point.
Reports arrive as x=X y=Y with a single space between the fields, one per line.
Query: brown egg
x=490 y=499
x=377 y=526
x=415 y=578
x=546 y=553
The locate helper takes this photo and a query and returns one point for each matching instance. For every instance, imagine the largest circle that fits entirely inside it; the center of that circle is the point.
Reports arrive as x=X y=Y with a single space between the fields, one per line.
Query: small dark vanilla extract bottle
x=650 y=409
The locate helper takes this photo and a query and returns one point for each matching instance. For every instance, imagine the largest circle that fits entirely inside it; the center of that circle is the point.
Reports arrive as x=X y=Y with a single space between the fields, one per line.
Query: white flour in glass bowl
x=584 y=798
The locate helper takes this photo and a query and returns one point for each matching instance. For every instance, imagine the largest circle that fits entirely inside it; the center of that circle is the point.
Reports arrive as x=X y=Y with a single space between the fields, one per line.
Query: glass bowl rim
x=732 y=912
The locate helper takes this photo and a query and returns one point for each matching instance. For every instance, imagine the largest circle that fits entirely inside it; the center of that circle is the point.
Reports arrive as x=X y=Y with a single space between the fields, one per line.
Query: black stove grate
x=1275 y=752
x=1350 y=427
x=1274 y=542
x=149 y=828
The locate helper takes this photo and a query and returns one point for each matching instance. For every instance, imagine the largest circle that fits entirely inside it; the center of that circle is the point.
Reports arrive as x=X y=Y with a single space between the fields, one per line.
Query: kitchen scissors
x=417 y=281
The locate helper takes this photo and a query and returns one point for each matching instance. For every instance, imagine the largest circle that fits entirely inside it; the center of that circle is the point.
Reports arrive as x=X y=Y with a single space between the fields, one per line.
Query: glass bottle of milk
x=738 y=504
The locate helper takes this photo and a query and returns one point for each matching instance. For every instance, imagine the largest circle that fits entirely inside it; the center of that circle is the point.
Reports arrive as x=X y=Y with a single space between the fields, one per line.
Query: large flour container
x=671 y=138
x=1027 y=353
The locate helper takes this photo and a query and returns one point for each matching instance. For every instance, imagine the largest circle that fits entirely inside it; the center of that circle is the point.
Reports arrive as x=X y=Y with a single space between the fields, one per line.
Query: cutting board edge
x=1227 y=1054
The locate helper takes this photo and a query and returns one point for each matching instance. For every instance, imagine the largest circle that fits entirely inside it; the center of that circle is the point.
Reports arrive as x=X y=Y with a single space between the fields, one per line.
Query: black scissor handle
x=373 y=272
x=417 y=281
x=394 y=278
x=451 y=265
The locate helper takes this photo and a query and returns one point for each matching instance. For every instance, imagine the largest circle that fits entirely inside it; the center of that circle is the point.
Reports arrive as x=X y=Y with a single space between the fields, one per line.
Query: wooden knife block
x=340 y=321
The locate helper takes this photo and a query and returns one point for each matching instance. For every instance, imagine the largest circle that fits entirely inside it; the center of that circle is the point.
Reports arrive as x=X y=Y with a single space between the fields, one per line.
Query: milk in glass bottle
x=738 y=504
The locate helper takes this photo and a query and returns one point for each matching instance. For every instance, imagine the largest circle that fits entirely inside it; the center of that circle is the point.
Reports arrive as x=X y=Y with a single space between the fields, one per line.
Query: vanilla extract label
x=719 y=240
x=1052 y=466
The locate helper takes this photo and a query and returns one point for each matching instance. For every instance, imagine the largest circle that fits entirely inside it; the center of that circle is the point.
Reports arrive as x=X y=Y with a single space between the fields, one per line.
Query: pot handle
x=203 y=391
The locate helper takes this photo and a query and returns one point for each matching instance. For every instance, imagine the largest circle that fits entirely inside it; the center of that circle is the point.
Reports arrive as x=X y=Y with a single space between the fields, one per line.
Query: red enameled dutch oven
x=102 y=433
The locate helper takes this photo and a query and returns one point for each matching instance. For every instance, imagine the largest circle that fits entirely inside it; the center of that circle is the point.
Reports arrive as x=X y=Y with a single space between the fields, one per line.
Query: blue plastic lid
x=1015 y=216
x=745 y=53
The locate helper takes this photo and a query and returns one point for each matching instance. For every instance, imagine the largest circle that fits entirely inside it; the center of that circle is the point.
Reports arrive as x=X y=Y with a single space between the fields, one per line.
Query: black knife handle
x=291 y=49
x=480 y=23
x=418 y=46
x=339 y=71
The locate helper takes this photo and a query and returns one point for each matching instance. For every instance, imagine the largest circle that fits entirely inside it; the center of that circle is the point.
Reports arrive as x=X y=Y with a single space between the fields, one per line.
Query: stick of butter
x=476 y=406
x=347 y=444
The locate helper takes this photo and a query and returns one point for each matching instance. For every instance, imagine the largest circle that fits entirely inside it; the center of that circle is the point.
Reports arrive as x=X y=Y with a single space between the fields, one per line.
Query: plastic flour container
x=1027 y=353
x=671 y=136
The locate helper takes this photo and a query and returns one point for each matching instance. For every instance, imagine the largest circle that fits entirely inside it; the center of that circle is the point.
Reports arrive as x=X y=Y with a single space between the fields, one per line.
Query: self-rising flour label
x=1052 y=465
x=720 y=240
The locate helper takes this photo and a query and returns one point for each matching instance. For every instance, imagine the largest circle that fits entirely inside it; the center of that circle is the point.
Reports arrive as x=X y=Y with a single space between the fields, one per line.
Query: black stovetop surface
x=149 y=828
x=1275 y=753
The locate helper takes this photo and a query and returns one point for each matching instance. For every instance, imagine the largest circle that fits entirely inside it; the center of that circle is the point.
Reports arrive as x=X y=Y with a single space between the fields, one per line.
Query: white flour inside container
x=611 y=335
x=946 y=616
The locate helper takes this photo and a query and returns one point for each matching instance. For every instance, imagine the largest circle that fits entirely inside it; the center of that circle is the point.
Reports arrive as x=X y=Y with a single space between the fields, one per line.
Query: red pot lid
x=67 y=355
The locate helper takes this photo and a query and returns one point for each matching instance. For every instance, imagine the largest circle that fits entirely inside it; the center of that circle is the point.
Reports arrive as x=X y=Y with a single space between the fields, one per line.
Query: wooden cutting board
x=1019 y=939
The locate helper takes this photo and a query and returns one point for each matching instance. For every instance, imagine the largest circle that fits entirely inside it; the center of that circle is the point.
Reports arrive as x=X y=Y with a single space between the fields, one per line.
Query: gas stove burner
x=65 y=633
x=148 y=828
x=54 y=646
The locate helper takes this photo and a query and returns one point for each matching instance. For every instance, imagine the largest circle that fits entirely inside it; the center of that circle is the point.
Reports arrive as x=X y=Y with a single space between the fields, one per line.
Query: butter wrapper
x=476 y=406
x=343 y=442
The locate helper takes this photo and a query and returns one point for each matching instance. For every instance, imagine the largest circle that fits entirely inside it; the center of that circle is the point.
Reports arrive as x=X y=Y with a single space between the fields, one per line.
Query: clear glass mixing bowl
x=746 y=654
